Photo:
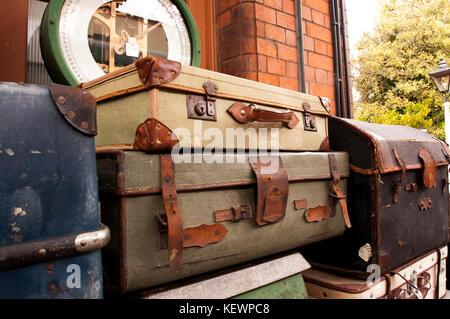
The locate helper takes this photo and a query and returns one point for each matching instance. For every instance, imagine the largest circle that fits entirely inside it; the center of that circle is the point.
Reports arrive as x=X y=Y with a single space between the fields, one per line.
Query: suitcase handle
x=243 y=114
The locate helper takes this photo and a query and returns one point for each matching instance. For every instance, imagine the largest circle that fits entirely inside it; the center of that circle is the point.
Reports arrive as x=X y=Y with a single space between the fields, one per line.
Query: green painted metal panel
x=289 y=288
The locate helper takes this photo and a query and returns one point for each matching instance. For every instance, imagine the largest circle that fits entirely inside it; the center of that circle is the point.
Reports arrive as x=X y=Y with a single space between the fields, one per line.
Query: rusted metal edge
x=191 y=188
x=77 y=106
x=38 y=251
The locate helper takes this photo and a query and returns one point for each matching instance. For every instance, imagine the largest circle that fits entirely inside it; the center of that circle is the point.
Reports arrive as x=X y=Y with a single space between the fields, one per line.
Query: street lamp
x=441 y=78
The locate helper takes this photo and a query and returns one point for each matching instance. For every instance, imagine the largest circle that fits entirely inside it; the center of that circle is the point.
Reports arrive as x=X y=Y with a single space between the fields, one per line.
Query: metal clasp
x=203 y=107
x=309 y=120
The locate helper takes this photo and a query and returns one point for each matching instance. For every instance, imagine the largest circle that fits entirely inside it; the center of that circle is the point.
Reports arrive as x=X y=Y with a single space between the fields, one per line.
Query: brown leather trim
x=300 y=204
x=203 y=235
x=112 y=148
x=388 y=293
x=348 y=288
x=242 y=99
x=219 y=95
x=272 y=189
x=396 y=188
x=336 y=192
x=154 y=137
x=121 y=93
x=429 y=168
x=243 y=114
x=234 y=214
x=369 y=171
x=402 y=165
x=174 y=219
x=77 y=106
x=154 y=71
x=153 y=103
x=108 y=76
x=318 y=213
x=325 y=145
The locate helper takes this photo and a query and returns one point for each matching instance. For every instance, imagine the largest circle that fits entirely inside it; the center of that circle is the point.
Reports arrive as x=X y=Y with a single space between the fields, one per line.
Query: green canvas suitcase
x=171 y=219
x=198 y=108
x=275 y=277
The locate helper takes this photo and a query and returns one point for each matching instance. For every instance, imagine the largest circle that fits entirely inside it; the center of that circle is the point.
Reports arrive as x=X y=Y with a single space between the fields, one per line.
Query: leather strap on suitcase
x=174 y=220
x=272 y=189
x=336 y=192
x=179 y=238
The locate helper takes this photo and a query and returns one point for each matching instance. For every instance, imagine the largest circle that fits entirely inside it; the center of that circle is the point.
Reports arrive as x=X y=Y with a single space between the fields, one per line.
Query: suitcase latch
x=201 y=107
x=309 y=120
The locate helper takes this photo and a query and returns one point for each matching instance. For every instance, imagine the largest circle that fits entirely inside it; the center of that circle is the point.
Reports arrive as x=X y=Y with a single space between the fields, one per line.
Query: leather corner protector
x=326 y=103
x=154 y=136
x=77 y=106
x=154 y=71
x=325 y=145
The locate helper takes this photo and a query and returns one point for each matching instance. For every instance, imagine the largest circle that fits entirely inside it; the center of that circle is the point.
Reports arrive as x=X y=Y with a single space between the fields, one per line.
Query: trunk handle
x=243 y=114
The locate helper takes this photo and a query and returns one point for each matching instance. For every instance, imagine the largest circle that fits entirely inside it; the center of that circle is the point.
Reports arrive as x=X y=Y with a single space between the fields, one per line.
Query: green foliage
x=392 y=66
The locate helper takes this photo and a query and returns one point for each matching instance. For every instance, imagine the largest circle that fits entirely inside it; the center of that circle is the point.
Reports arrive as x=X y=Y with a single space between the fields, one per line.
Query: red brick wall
x=257 y=40
x=318 y=45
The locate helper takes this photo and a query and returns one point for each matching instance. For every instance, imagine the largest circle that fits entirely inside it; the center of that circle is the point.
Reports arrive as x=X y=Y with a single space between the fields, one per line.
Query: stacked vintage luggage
x=190 y=177
x=398 y=204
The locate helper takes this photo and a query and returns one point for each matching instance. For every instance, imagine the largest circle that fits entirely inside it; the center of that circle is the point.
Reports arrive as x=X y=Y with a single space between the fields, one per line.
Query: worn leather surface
x=244 y=113
x=395 y=226
x=174 y=219
x=272 y=189
x=154 y=71
x=154 y=137
x=368 y=137
x=77 y=106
